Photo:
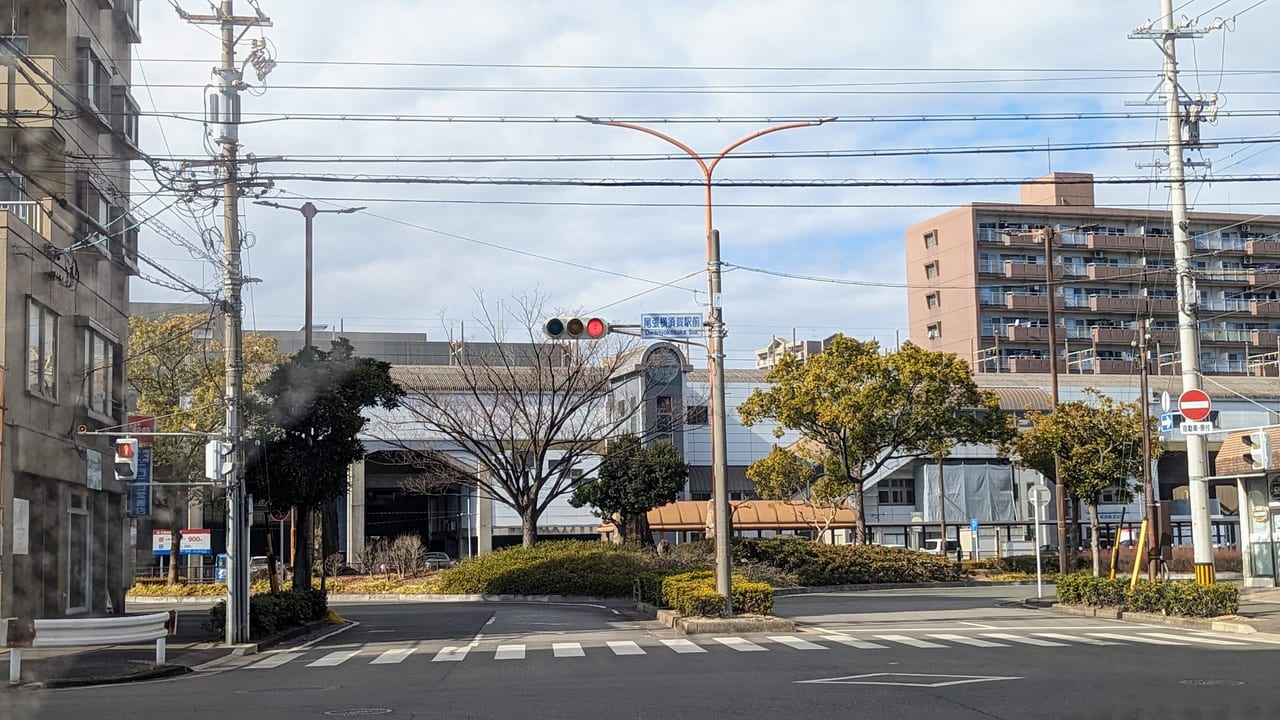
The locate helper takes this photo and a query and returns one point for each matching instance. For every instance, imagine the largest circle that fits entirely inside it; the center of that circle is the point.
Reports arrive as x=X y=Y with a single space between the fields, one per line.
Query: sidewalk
x=1261 y=609
x=1259 y=613
x=190 y=647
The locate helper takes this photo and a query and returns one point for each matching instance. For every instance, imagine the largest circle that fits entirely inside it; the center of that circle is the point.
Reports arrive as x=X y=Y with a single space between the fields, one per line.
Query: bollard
x=15 y=665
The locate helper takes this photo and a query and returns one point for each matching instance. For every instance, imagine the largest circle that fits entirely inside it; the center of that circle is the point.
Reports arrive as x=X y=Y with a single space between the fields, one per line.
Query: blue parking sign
x=973 y=524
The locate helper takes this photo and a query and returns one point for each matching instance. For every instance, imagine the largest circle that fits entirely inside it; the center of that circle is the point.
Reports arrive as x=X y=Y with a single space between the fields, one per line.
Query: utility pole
x=1188 y=300
x=1152 y=496
x=1060 y=497
x=225 y=106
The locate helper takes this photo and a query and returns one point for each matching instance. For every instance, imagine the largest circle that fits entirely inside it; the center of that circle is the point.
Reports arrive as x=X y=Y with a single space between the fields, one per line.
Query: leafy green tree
x=860 y=408
x=177 y=373
x=785 y=475
x=306 y=419
x=1099 y=443
x=632 y=480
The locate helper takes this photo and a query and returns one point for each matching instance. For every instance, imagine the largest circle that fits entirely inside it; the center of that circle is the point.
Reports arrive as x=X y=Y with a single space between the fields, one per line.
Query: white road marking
x=275 y=660
x=334 y=658
x=913 y=642
x=1024 y=640
x=625 y=647
x=795 y=642
x=393 y=656
x=1135 y=638
x=739 y=644
x=569 y=649
x=1194 y=638
x=976 y=642
x=351 y=624
x=509 y=652
x=853 y=642
x=684 y=646
x=452 y=654
x=984 y=626
x=1077 y=639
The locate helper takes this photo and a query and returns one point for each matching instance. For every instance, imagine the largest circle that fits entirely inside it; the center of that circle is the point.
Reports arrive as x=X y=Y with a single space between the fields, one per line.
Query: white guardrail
x=86 y=632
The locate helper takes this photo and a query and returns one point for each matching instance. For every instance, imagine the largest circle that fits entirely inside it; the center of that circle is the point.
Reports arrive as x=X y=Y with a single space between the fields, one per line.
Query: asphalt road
x=936 y=654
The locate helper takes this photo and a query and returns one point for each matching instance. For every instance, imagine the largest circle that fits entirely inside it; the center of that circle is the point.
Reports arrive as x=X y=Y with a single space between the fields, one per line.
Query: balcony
x=1033 y=365
x=1225 y=305
x=1028 y=271
x=1113 y=335
x=1219 y=335
x=1264 y=308
x=1027 y=333
x=1265 y=338
x=1133 y=304
x=1218 y=241
x=1129 y=273
x=1018 y=301
x=1262 y=248
x=1095 y=241
x=1016 y=238
x=32 y=99
x=1229 y=275
x=35 y=214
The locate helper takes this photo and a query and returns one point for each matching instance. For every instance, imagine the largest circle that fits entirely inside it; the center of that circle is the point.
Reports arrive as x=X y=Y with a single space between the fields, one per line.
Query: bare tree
x=506 y=407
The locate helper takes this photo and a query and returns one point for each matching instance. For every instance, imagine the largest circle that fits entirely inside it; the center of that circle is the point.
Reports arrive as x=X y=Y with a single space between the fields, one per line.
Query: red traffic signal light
x=126 y=448
x=575 y=328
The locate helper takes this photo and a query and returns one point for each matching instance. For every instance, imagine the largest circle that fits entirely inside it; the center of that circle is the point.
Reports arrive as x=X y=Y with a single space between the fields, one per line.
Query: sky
x=485 y=94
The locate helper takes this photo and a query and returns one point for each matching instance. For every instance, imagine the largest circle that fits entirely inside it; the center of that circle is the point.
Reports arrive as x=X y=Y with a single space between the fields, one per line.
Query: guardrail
x=86 y=632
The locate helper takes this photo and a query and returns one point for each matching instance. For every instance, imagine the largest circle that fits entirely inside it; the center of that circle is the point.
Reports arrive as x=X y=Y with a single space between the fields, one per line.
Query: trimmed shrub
x=817 y=564
x=1182 y=598
x=270 y=613
x=567 y=567
x=159 y=589
x=693 y=593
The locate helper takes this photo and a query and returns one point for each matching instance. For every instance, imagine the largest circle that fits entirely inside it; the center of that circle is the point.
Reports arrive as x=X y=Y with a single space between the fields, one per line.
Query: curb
x=389 y=597
x=779 y=592
x=1111 y=613
x=154 y=673
x=695 y=626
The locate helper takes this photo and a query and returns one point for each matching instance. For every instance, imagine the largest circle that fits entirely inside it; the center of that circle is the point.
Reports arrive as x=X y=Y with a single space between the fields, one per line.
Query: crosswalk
x=382 y=654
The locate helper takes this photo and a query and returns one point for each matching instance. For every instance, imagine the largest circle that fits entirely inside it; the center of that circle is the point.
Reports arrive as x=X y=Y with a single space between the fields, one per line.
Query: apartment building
x=977 y=275
x=70 y=247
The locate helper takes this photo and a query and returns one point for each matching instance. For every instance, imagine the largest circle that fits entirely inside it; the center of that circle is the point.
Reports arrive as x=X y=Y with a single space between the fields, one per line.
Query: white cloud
x=373 y=274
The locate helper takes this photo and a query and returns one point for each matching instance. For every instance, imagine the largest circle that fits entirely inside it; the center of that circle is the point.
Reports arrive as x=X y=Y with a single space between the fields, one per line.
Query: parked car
x=437 y=561
x=934 y=547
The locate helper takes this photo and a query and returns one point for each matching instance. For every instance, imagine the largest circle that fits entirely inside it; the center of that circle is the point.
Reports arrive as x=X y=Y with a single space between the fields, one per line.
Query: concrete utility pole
x=225 y=106
x=1188 y=300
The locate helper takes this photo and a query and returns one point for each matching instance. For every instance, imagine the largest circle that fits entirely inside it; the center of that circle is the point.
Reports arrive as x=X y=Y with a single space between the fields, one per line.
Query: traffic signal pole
x=715 y=344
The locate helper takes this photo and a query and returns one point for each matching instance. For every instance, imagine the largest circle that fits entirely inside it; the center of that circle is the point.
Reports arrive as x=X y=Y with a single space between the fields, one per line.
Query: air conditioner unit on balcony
x=1099 y=253
x=1248 y=259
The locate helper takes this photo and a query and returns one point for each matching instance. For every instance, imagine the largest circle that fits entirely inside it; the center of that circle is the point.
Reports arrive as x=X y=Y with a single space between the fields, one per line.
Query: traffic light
x=126 y=459
x=575 y=328
x=1257 y=450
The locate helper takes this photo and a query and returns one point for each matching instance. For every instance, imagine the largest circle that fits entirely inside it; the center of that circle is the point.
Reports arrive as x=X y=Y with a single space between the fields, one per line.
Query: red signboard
x=141 y=426
x=1194 y=405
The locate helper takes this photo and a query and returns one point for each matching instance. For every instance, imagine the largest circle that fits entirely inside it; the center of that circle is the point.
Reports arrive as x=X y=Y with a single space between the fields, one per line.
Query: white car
x=934 y=547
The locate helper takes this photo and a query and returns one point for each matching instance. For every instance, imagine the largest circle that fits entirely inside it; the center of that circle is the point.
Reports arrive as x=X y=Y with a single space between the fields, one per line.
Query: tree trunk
x=302 y=550
x=1094 y=545
x=529 y=526
x=635 y=529
x=859 y=515
x=175 y=553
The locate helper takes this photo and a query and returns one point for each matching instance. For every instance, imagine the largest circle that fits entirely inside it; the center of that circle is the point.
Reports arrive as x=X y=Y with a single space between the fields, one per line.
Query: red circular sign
x=1194 y=405
x=279 y=515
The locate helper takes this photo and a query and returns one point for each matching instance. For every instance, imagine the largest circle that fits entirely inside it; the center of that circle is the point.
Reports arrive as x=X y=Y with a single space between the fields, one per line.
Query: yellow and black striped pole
x=1204 y=574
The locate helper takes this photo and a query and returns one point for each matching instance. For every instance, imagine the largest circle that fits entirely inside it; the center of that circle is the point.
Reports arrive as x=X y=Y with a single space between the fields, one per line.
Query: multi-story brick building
x=977 y=276
x=70 y=246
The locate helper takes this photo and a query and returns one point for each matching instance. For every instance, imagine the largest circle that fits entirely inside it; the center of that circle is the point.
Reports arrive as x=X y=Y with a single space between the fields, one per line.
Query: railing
x=1240 y=336
x=1215 y=241
x=1075 y=301
x=28 y=211
x=86 y=632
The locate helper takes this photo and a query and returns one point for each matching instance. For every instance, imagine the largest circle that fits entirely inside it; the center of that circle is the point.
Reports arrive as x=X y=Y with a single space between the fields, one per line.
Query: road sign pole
x=1039 y=574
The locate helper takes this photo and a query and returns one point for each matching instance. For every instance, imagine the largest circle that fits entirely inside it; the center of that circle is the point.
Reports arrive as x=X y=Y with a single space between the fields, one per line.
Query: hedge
x=694 y=594
x=818 y=564
x=1179 y=597
x=563 y=567
x=270 y=613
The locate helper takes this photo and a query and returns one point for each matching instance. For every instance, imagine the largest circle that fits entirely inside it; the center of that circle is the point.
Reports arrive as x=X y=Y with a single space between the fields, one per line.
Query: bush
x=694 y=594
x=567 y=567
x=1180 y=597
x=270 y=613
x=817 y=564
x=159 y=589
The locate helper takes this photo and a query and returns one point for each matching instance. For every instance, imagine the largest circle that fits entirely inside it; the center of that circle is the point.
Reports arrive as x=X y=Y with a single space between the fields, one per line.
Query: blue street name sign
x=665 y=325
x=140 y=488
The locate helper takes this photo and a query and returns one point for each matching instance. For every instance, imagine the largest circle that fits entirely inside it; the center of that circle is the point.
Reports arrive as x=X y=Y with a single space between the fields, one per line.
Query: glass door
x=79 y=564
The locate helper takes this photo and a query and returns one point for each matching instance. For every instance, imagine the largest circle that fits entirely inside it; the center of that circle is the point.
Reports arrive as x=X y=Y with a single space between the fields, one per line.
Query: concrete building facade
x=70 y=246
x=977 y=276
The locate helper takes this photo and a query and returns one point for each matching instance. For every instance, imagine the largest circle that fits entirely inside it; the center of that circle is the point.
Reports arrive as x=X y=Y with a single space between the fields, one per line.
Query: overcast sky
x=423 y=252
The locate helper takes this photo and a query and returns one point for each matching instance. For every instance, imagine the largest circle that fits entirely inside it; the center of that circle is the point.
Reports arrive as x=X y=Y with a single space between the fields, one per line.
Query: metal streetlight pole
x=715 y=342
x=309 y=212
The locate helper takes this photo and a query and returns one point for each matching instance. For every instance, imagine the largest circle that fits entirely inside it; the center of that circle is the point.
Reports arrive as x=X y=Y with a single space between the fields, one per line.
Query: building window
x=97 y=80
x=695 y=415
x=931 y=239
x=934 y=331
x=897 y=491
x=666 y=419
x=99 y=355
x=42 y=350
x=932 y=301
x=931 y=269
